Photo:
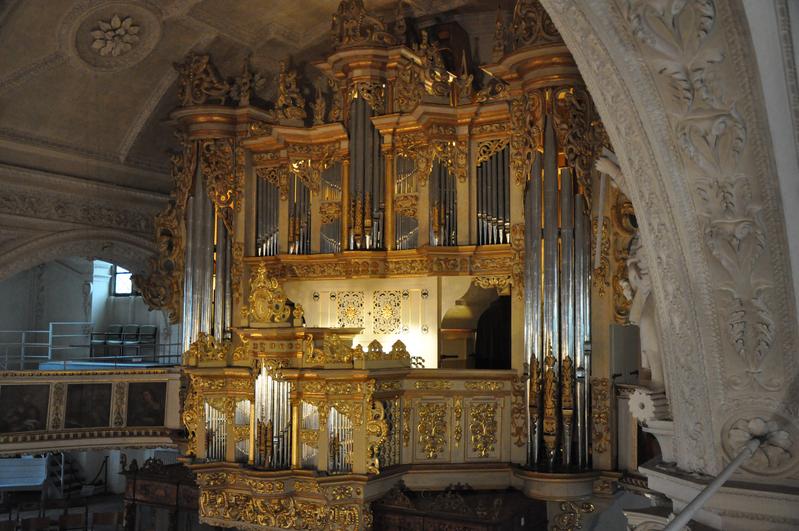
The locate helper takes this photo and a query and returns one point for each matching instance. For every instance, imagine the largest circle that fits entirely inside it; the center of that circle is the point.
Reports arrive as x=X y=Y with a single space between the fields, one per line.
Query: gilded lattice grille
x=349 y=308
x=386 y=314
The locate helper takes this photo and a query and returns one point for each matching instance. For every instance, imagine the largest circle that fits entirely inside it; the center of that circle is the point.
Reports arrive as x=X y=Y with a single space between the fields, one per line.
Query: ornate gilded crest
x=267 y=299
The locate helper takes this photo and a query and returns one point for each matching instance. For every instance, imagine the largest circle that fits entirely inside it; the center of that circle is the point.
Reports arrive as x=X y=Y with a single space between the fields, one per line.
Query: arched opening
x=74 y=311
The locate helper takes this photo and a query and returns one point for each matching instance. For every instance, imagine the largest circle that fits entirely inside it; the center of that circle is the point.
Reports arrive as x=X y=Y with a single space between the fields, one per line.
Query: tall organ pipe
x=551 y=266
x=567 y=354
x=532 y=305
x=199 y=262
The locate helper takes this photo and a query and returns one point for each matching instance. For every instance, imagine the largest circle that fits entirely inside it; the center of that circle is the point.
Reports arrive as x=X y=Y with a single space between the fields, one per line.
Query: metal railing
x=66 y=343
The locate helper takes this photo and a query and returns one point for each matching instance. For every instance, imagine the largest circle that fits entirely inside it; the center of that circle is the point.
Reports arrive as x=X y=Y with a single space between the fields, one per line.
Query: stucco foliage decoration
x=712 y=134
x=115 y=36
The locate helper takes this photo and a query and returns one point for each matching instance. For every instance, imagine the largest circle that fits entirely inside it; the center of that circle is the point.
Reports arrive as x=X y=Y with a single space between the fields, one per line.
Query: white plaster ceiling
x=67 y=109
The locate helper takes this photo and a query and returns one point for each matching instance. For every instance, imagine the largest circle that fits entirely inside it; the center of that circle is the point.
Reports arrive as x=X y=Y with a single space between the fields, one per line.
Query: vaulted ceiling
x=86 y=86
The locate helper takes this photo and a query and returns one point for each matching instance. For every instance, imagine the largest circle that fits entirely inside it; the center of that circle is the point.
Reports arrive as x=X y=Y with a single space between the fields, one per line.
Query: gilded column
x=388 y=228
x=345 y=204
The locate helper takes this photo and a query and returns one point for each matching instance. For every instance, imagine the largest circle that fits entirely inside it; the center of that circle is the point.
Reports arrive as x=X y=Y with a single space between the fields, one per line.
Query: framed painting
x=24 y=407
x=146 y=403
x=88 y=406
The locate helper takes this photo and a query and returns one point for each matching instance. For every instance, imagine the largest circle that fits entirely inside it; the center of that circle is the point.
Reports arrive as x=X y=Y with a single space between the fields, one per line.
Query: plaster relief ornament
x=115 y=37
x=776 y=449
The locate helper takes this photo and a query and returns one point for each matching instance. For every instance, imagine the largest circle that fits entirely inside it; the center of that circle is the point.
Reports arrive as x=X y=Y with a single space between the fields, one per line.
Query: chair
x=147 y=341
x=31 y=524
x=130 y=339
x=106 y=521
x=112 y=340
x=71 y=521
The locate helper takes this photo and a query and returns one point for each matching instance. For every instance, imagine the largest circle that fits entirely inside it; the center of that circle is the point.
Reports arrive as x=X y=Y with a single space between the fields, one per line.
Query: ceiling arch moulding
x=22 y=75
x=115 y=246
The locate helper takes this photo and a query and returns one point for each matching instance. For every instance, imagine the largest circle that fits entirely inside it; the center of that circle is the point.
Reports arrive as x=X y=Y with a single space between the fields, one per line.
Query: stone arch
x=687 y=229
x=127 y=250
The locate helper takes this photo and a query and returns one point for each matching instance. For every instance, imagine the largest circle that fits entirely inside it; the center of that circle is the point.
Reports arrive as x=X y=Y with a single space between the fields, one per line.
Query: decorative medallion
x=110 y=35
x=350 y=309
x=386 y=311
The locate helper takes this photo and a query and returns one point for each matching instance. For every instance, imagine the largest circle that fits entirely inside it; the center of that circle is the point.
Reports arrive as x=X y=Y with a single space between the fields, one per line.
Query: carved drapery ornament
x=163 y=287
x=223 y=177
x=199 y=81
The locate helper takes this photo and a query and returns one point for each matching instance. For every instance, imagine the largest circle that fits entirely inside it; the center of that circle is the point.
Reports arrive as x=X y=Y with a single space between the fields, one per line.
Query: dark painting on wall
x=88 y=406
x=146 y=403
x=24 y=407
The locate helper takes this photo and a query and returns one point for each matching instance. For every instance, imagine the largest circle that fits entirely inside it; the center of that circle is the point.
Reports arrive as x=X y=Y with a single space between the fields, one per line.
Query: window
x=122 y=284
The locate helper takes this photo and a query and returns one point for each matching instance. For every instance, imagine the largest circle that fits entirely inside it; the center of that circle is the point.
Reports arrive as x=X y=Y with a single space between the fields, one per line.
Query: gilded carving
x=488 y=148
x=349 y=306
x=353 y=25
x=373 y=92
x=483 y=427
x=406 y=426
x=334 y=350
x=601 y=274
x=406 y=205
x=433 y=385
x=236 y=270
x=376 y=434
x=518 y=423
x=622 y=214
x=57 y=405
x=386 y=311
x=571 y=515
x=205 y=349
x=531 y=25
x=222 y=180
x=192 y=416
x=484 y=385
x=408 y=88
x=432 y=428
x=517 y=268
x=120 y=395
x=162 y=288
x=600 y=414
x=290 y=102
x=310 y=438
x=267 y=302
x=499 y=282
x=550 y=401
x=199 y=81
x=329 y=211
x=457 y=409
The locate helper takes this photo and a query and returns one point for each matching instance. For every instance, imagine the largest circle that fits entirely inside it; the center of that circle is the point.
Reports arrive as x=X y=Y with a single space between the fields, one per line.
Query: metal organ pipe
x=532 y=304
x=557 y=311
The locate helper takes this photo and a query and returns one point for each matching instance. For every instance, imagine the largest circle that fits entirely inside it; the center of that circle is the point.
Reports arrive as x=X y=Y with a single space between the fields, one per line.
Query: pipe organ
x=402 y=170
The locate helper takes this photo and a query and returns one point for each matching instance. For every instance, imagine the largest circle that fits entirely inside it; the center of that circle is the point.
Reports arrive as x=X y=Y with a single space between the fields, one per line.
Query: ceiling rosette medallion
x=110 y=35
